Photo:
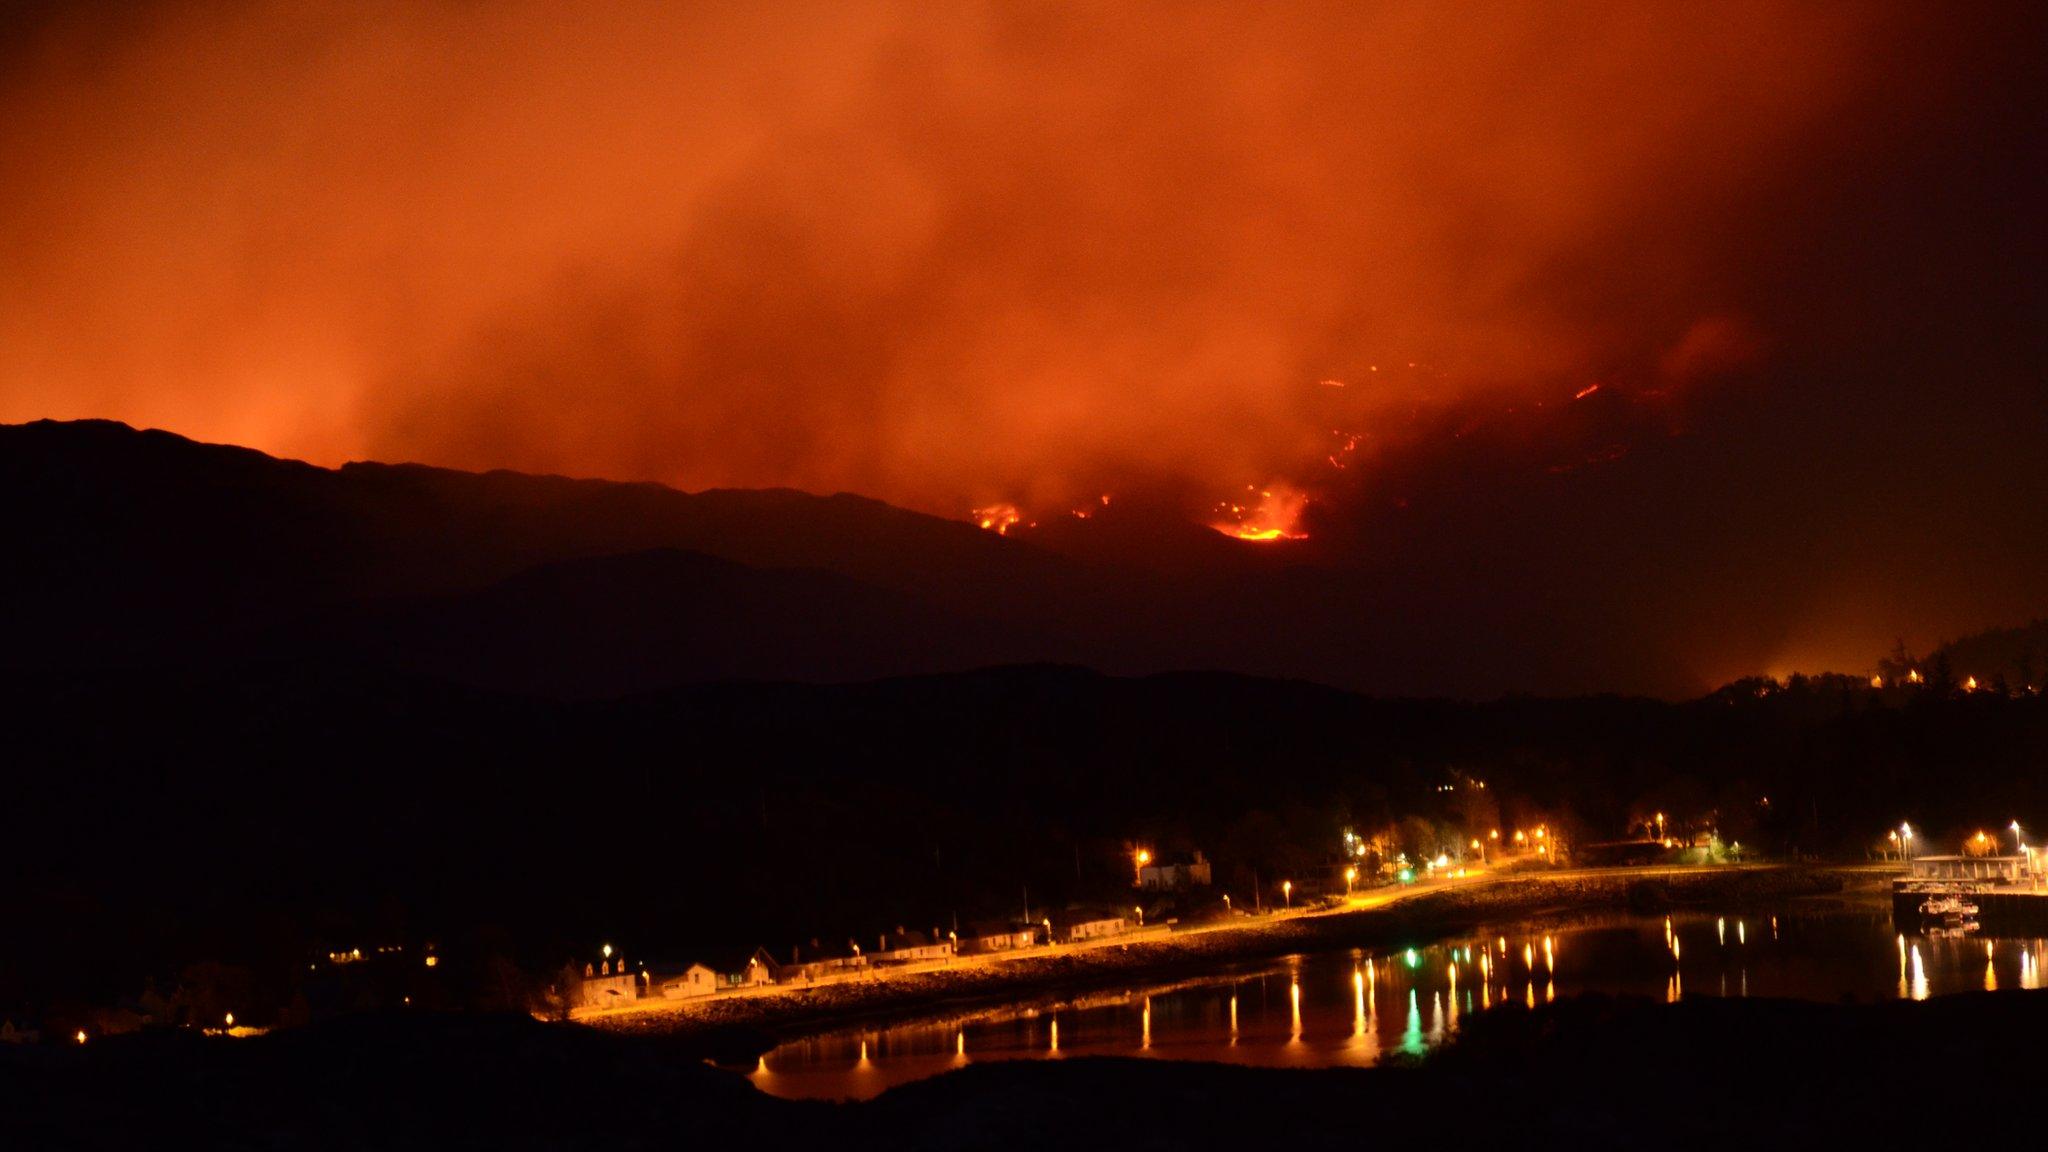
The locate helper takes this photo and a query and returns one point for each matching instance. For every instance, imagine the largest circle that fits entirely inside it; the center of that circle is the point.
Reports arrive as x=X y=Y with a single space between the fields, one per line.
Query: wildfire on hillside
x=998 y=518
x=1267 y=515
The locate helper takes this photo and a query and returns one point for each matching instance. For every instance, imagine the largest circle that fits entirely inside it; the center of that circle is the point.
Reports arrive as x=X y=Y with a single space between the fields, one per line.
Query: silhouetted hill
x=144 y=546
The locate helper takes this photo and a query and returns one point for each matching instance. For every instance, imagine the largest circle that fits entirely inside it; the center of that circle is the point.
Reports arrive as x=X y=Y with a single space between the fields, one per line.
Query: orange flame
x=998 y=518
x=1277 y=516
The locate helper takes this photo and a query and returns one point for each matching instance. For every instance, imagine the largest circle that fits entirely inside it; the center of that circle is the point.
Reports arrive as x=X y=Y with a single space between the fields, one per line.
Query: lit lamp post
x=1139 y=859
x=1906 y=841
x=1896 y=846
x=1287 y=892
x=1660 y=825
x=1350 y=877
x=1479 y=846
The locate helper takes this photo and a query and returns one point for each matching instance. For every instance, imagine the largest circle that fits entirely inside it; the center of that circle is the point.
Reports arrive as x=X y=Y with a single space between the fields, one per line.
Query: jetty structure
x=1966 y=893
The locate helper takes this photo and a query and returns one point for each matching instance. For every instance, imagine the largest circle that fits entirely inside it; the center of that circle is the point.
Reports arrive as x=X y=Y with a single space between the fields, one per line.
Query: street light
x=1287 y=892
x=1350 y=875
x=1660 y=825
x=607 y=951
x=1139 y=859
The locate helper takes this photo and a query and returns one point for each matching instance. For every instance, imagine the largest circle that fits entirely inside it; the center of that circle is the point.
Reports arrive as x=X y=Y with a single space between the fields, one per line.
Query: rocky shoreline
x=735 y=1029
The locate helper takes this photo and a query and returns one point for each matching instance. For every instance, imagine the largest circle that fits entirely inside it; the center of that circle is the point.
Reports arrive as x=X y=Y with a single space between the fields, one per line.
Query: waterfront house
x=696 y=980
x=907 y=946
x=744 y=969
x=997 y=936
x=602 y=985
x=816 y=961
x=1190 y=871
x=1077 y=924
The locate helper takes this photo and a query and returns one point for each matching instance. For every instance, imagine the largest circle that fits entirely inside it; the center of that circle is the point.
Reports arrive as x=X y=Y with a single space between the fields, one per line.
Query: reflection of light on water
x=1721 y=931
x=1476 y=978
x=1357 y=1002
x=1774 y=927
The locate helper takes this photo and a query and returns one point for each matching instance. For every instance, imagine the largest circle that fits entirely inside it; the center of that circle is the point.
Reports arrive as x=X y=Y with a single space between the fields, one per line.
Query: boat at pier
x=1954 y=895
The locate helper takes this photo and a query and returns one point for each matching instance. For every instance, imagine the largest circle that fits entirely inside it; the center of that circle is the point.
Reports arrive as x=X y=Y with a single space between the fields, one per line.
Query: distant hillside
x=2016 y=657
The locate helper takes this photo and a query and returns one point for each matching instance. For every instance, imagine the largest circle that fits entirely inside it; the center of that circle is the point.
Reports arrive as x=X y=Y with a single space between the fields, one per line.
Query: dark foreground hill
x=258 y=815
x=1586 y=1072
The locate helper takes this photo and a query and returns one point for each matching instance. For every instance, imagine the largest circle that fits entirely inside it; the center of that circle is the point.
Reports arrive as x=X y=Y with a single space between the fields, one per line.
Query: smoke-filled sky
x=1730 y=311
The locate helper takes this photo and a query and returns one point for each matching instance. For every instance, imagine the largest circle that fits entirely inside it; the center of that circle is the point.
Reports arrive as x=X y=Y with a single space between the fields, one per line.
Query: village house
x=601 y=985
x=997 y=936
x=1180 y=872
x=696 y=980
x=816 y=961
x=1078 y=924
x=744 y=969
x=907 y=946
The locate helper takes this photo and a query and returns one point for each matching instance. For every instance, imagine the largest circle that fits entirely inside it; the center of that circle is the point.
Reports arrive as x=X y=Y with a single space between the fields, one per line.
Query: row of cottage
x=608 y=982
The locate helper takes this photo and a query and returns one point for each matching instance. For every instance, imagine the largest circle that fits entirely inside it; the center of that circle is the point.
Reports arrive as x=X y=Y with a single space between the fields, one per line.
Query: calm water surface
x=1351 y=1008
